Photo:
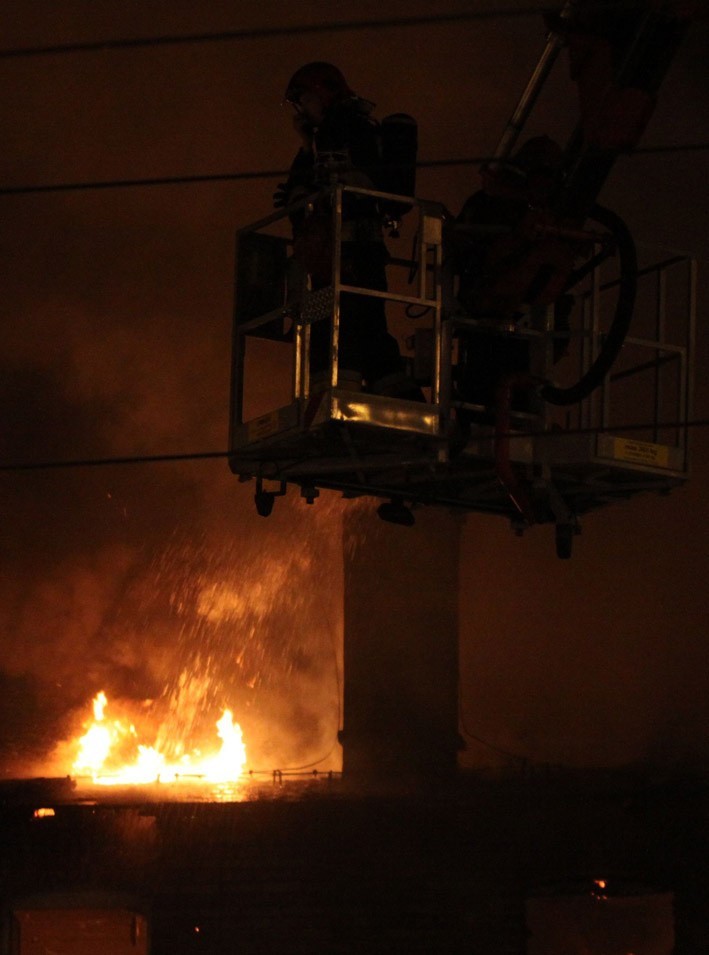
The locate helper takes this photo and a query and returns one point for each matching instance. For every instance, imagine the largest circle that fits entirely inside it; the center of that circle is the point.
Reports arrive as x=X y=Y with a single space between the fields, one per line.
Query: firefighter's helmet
x=317 y=77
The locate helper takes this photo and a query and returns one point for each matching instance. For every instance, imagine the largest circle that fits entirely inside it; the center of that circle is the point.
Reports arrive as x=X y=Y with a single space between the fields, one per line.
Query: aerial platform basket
x=515 y=454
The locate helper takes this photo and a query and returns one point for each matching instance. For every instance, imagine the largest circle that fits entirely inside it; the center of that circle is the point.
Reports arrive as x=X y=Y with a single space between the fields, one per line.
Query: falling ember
x=599 y=891
x=109 y=752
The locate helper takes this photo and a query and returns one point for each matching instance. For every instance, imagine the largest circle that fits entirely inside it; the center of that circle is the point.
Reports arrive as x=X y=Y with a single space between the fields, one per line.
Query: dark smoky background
x=158 y=582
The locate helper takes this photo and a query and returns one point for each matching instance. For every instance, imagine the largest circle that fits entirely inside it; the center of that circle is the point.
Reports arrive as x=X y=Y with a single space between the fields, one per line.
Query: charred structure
x=462 y=870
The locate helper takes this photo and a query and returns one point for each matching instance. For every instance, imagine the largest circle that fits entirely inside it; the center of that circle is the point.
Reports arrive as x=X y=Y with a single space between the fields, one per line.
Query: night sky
x=158 y=581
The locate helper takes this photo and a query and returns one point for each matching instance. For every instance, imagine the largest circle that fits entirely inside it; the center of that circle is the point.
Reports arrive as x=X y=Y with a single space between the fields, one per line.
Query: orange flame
x=99 y=754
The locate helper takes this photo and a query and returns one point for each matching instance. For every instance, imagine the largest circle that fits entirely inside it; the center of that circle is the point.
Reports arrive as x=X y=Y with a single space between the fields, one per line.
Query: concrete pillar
x=400 y=647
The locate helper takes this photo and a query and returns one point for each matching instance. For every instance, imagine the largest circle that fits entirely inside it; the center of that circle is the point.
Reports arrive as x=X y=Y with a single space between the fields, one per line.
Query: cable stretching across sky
x=54 y=465
x=262 y=33
x=203 y=179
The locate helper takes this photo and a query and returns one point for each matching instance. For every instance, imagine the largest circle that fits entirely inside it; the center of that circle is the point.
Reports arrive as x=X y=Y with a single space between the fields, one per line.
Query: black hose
x=613 y=343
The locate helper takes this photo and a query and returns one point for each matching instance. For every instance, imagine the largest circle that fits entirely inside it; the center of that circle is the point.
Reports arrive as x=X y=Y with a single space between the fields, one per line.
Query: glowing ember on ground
x=110 y=752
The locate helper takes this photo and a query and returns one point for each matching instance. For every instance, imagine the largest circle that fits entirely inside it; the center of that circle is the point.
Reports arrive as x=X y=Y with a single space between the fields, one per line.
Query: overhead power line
x=104 y=462
x=198 y=179
x=141 y=183
x=261 y=33
x=55 y=465
x=301 y=29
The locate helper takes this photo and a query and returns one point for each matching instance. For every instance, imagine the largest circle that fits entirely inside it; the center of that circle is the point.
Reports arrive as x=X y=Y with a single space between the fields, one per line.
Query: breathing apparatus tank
x=399 y=149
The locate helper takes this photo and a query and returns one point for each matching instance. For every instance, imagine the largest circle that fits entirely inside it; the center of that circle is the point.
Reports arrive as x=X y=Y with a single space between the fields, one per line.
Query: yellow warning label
x=641 y=452
x=264 y=426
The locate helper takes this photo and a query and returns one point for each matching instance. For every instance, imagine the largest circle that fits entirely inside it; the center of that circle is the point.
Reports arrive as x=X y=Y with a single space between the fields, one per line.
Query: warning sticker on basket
x=641 y=452
x=264 y=426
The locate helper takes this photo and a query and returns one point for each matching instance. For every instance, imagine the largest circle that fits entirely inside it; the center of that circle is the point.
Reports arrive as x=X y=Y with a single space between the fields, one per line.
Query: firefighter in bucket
x=341 y=142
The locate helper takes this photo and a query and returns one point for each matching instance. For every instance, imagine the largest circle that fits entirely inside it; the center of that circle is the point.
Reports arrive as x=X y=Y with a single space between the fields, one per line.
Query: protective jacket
x=346 y=149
